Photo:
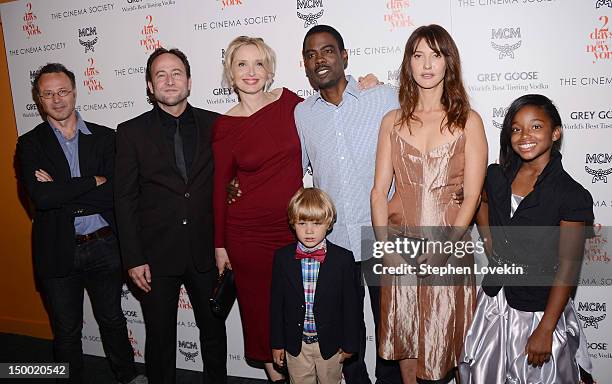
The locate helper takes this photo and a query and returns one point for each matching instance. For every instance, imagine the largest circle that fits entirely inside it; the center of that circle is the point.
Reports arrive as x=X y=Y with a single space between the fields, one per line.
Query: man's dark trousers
x=97 y=268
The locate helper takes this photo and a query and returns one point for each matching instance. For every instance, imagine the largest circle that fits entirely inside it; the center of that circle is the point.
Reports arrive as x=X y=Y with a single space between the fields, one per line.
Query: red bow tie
x=318 y=255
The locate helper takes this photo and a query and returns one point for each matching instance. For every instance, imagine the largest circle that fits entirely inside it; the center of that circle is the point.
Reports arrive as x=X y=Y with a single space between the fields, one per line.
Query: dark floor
x=24 y=349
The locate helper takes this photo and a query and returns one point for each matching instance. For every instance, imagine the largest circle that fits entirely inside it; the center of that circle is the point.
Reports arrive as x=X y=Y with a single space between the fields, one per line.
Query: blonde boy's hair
x=269 y=58
x=311 y=204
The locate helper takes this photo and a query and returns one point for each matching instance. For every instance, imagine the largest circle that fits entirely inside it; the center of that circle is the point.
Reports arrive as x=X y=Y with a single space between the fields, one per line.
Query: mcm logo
x=89 y=45
x=189 y=356
x=505 y=34
x=591 y=321
x=506 y=49
x=598 y=158
x=88 y=32
x=33 y=74
x=125 y=293
x=598 y=174
x=602 y=3
x=499 y=113
x=310 y=18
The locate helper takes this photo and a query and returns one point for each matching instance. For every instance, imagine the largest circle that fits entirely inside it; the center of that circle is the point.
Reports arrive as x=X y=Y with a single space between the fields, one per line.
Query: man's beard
x=171 y=101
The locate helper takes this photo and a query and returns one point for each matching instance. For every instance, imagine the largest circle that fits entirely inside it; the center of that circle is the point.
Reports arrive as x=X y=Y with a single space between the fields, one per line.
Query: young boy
x=314 y=311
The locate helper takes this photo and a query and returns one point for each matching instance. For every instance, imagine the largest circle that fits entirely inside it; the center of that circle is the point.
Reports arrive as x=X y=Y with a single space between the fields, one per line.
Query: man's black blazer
x=336 y=308
x=161 y=220
x=59 y=201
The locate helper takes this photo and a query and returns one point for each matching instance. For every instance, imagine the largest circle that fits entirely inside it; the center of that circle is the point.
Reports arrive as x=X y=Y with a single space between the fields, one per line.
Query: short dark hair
x=327 y=29
x=52 y=68
x=158 y=52
x=507 y=156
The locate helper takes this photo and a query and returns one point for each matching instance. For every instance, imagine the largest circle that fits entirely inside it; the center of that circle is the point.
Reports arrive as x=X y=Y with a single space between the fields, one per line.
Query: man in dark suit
x=163 y=198
x=66 y=165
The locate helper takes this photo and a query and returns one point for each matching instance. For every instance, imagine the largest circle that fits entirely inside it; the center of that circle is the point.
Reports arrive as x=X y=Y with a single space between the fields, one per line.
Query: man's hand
x=42 y=176
x=233 y=191
x=345 y=355
x=141 y=276
x=368 y=81
x=100 y=180
x=278 y=356
x=222 y=260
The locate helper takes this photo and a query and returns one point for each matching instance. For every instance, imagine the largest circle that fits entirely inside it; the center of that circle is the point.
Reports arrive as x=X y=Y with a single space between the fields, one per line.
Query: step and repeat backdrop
x=560 y=48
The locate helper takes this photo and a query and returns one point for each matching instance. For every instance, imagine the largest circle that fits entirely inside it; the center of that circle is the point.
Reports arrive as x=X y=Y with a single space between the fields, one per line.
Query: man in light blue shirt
x=338 y=129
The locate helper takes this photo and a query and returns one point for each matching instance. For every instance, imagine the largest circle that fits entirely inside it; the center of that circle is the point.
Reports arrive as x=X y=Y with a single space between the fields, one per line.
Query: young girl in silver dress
x=533 y=215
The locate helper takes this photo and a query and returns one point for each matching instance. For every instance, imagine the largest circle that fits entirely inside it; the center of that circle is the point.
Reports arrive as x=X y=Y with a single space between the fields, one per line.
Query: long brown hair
x=454 y=97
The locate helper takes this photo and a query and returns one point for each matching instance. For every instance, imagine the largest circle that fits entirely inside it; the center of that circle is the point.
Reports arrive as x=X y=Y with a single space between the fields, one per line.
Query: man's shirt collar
x=81 y=126
x=351 y=89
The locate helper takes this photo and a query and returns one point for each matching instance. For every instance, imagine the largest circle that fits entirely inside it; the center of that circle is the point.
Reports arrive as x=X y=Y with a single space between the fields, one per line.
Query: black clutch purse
x=223 y=295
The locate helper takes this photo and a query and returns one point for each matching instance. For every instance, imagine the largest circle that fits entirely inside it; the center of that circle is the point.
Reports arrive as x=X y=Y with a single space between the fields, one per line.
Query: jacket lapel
x=295 y=275
x=54 y=152
x=86 y=152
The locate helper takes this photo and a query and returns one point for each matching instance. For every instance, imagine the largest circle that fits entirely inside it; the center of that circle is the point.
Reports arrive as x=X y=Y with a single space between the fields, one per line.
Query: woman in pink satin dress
x=431 y=146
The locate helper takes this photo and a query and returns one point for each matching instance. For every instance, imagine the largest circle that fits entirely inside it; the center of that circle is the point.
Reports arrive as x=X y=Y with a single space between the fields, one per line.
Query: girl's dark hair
x=454 y=97
x=506 y=153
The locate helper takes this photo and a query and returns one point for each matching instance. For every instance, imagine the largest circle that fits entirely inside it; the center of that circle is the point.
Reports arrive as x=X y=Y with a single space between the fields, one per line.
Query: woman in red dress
x=257 y=142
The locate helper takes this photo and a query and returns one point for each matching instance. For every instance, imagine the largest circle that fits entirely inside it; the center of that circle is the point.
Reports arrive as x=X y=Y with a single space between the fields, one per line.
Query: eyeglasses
x=50 y=94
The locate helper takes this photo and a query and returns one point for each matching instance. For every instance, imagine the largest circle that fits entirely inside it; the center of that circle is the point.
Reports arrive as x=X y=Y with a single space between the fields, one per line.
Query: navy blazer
x=58 y=202
x=336 y=305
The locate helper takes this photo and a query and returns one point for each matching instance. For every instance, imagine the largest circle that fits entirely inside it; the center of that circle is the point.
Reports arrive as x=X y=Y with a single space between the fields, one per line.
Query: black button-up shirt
x=188 y=130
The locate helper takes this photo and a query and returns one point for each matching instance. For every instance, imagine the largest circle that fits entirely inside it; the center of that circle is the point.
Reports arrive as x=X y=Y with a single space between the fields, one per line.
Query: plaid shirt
x=310 y=273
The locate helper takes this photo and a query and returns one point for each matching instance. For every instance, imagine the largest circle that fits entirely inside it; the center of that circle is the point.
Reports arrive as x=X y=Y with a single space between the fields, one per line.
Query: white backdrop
x=560 y=48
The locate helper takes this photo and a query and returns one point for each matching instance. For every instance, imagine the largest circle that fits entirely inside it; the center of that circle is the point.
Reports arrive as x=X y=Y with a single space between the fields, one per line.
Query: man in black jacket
x=66 y=165
x=163 y=197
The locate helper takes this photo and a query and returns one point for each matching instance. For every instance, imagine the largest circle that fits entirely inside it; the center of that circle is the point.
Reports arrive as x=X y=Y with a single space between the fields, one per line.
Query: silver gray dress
x=494 y=348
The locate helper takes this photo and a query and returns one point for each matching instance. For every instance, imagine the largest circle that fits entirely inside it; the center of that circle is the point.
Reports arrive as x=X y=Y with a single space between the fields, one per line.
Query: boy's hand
x=233 y=191
x=345 y=355
x=278 y=356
